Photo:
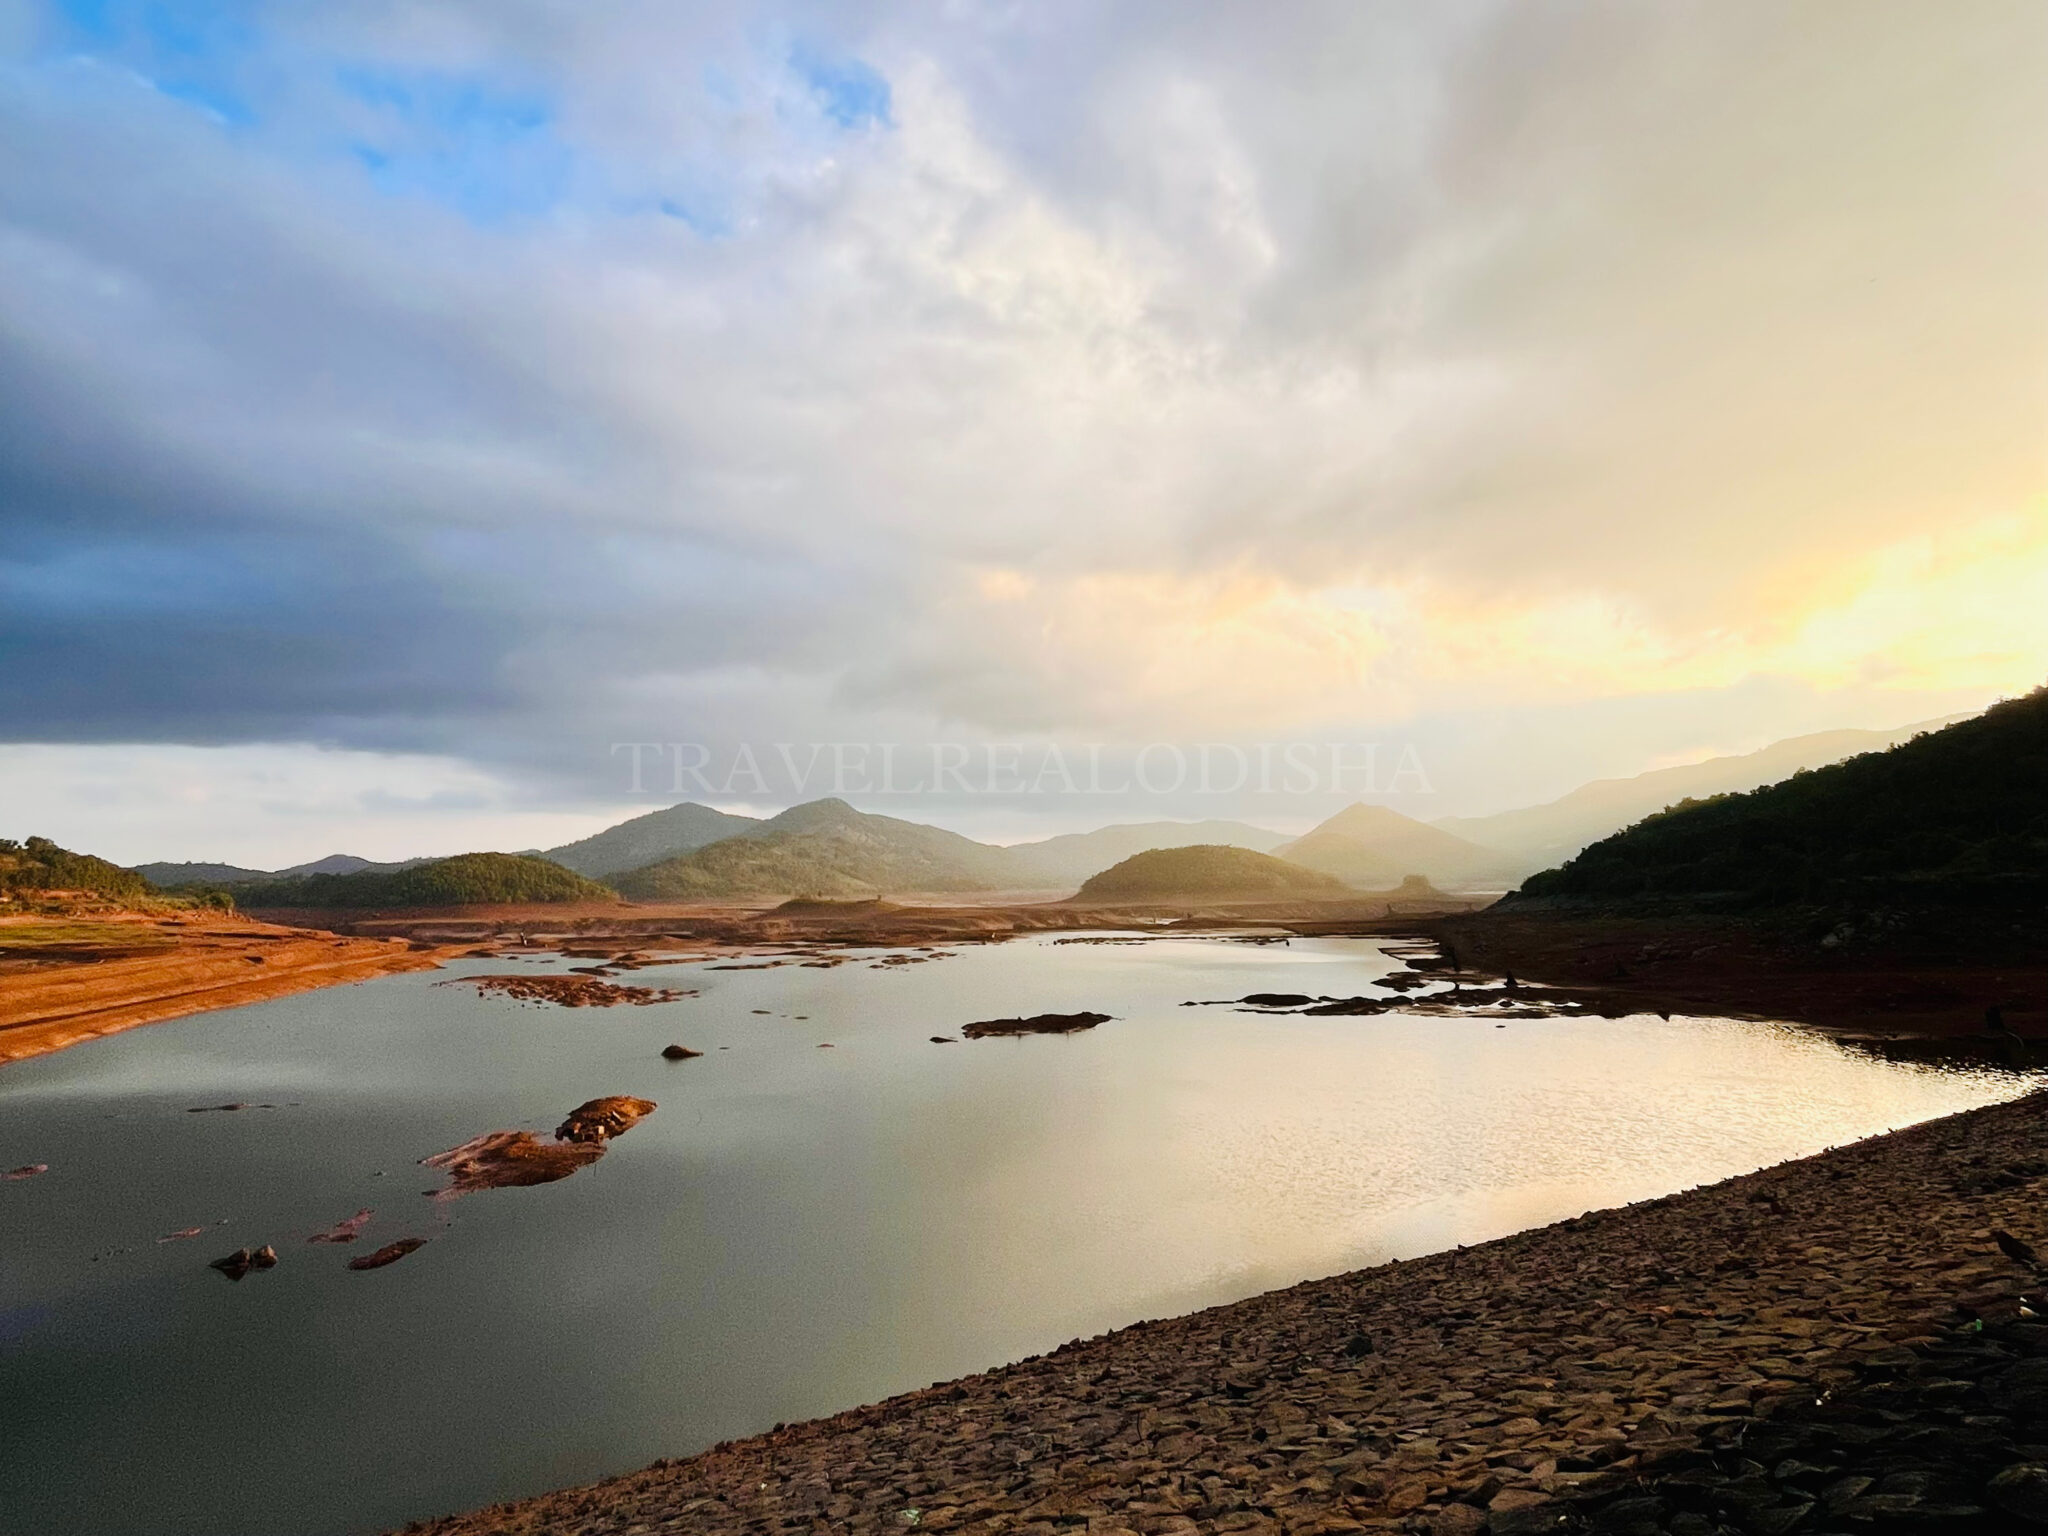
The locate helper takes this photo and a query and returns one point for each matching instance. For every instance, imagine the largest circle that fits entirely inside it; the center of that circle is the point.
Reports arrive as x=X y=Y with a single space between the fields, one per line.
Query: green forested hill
x=40 y=865
x=645 y=840
x=827 y=848
x=1956 y=817
x=468 y=879
x=1206 y=870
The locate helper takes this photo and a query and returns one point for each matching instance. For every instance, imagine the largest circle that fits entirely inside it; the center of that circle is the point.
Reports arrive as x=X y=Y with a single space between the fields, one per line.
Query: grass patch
x=81 y=936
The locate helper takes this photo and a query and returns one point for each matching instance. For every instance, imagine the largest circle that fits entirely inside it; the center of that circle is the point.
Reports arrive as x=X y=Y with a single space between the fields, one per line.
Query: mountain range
x=828 y=848
x=168 y=877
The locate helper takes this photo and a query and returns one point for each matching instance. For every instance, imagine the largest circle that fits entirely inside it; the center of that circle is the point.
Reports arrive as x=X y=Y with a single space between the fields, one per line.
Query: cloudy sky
x=405 y=403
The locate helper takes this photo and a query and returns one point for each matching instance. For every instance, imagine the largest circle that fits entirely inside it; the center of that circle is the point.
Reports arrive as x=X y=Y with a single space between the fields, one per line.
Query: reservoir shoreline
x=184 y=964
x=1486 y=1388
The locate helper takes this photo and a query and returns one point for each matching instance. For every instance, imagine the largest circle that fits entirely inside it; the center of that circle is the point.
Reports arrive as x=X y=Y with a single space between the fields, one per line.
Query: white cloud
x=1334 y=369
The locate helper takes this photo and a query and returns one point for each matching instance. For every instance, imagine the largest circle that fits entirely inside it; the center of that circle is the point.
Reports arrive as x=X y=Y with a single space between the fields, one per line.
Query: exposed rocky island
x=1037 y=1024
x=568 y=991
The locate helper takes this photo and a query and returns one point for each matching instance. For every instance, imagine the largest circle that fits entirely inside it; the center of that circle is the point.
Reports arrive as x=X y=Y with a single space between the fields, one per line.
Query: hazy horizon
x=1288 y=814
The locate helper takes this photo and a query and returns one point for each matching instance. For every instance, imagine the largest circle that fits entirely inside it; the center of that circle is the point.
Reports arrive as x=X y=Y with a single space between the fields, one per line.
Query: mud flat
x=1871 y=988
x=1595 y=1374
x=103 y=974
x=897 y=921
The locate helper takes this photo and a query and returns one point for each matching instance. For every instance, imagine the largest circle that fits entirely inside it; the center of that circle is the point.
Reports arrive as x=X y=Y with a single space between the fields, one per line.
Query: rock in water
x=601 y=1119
x=242 y=1260
x=25 y=1171
x=510 y=1160
x=390 y=1253
x=1037 y=1024
x=678 y=1053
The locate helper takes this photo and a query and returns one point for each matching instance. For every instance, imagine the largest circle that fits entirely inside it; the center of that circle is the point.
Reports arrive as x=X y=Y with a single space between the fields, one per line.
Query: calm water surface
x=795 y=1230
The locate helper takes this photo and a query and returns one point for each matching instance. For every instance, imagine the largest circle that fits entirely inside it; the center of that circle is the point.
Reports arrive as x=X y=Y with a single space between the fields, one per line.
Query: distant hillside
x=649 y=839
x=346 y=864
x=1539 y=836
x=1068 y=860
x=827 y=848
x=1372 y=847
x=168 y=877
x=1207 y=870
x=40 y=865
x=1959 y=816
x=468 y=879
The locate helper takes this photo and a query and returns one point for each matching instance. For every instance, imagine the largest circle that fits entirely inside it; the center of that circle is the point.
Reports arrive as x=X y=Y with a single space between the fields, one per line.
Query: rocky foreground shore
x=1835 y=1345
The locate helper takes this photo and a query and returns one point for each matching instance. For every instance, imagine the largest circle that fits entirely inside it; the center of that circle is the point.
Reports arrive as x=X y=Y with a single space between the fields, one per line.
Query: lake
x=795 y=1230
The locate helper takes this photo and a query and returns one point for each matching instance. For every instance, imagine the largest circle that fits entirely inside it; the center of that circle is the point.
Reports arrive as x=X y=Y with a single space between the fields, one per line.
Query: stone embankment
x=1834 y=1345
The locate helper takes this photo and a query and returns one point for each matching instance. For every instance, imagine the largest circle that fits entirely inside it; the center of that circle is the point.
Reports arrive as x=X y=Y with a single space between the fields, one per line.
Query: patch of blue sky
x=210 y=97
x=87 y=21
x=490 y=151
x=849 y=91
x=191 y=53
x=700 y=213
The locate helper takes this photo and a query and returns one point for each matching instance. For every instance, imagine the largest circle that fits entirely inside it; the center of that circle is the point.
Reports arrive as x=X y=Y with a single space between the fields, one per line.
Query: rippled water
x=795 y=1230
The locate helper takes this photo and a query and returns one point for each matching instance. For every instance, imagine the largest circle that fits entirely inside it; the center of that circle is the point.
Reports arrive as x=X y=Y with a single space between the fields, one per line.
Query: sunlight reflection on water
x=795 y=1230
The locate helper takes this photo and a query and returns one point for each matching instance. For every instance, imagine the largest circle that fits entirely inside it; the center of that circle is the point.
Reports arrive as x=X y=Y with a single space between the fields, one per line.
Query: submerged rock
x=510 y=1160
x=1037 y=1024
x=514 y=1159
x=25 y=1171
x=390 y=1253
x=344 y=1231
x=678 y=1053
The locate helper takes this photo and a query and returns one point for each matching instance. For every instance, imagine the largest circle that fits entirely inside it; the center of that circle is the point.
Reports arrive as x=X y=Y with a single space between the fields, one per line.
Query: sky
x=407 y=405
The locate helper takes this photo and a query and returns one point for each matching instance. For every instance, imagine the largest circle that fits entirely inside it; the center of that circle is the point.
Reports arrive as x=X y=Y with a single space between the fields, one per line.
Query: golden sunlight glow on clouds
x=1961 y=610
x=1954 y=609
x=1139 y=652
